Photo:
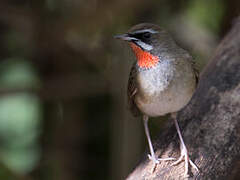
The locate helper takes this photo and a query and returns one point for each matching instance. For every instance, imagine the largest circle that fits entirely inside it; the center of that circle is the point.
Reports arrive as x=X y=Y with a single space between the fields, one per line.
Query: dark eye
x=146 y=35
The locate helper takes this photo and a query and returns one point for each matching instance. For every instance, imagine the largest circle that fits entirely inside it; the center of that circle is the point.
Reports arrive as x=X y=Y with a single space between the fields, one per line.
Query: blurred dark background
x=63 y=110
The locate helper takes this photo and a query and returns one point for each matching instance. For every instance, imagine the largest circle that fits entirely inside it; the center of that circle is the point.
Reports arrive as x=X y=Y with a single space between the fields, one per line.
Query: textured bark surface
x=210 y=123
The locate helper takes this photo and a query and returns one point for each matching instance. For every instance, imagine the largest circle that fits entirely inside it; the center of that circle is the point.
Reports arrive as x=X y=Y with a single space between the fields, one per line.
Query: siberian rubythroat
x=161 y=81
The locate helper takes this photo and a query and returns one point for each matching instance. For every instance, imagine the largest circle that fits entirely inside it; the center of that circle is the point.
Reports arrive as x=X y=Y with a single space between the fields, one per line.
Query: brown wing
x=132 y=91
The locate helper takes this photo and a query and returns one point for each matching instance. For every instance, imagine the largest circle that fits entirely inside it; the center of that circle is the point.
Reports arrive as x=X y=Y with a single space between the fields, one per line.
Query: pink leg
x=152 y=155
x=184 y=152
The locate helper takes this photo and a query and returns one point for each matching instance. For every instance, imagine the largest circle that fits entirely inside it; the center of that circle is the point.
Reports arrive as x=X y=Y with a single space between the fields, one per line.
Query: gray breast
x=155 y=80
x=164 y=88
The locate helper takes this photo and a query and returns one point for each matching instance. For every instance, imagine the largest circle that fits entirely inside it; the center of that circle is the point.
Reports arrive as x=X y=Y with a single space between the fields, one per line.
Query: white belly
x=162 y=104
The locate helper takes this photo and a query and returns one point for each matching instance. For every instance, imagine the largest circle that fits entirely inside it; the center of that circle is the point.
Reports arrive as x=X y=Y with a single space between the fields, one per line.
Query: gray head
x=149 y=37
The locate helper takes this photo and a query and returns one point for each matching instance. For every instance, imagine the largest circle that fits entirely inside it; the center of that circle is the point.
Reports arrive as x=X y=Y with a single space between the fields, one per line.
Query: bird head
x=147 y=41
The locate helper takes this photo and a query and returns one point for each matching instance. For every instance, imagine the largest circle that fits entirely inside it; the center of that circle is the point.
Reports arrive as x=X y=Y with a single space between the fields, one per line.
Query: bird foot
x=184 y=156
x=157 y=160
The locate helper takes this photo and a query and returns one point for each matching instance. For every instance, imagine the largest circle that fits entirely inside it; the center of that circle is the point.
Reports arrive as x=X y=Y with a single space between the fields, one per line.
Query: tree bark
x=210 y=123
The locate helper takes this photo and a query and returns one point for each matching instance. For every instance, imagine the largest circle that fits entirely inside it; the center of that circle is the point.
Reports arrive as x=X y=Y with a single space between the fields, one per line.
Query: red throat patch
x=144 y=58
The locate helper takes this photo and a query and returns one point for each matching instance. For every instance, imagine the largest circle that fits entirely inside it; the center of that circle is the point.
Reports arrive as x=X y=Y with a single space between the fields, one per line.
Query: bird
x=162 y=81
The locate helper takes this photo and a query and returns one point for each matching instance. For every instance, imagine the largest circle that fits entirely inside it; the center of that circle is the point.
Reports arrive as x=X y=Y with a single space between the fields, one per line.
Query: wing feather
x=132 y=91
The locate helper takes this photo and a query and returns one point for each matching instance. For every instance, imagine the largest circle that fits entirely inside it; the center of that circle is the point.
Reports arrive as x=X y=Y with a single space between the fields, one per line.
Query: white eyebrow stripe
x=144 y=45
x=146 y=30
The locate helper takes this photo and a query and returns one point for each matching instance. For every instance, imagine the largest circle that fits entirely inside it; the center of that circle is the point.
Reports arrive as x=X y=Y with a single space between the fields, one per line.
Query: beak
x=125 y=37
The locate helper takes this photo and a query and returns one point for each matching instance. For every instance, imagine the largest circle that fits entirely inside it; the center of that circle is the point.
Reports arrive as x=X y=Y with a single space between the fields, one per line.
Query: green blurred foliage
x=18 y=73
x=207 y=13
x=20 y=117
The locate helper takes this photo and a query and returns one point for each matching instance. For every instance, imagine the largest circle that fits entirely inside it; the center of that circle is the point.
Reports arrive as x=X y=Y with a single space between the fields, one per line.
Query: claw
x=153 y=159
x=166 y=159
x=187 y=160
x=157 y=160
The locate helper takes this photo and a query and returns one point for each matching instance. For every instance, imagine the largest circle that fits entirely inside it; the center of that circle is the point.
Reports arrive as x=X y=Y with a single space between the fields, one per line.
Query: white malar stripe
x=144 y=46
